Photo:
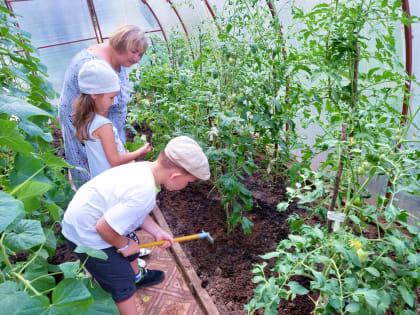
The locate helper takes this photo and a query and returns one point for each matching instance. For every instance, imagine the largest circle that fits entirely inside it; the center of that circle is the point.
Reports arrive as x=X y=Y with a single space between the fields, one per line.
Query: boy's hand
x=164 y=236
x=132 y=249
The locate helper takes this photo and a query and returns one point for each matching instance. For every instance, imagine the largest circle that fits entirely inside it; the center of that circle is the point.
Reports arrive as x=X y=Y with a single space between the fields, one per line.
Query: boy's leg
x=144 y=277
x=127 y=307
x=114 y=274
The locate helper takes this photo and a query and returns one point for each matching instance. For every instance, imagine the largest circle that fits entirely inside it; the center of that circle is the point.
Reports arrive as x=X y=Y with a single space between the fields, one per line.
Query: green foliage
x=231 y=97
x=137 y=143
x=34 y=190
x=344 y=68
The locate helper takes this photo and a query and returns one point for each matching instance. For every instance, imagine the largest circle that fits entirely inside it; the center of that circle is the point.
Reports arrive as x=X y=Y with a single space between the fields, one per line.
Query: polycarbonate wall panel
x=166 y=15
x=112 y=14
x=217 y=6
x=58 y=58
x=54 y=21
x=192 y=13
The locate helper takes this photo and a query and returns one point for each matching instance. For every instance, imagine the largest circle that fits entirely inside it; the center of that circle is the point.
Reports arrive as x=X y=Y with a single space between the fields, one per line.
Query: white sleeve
x=126 y=216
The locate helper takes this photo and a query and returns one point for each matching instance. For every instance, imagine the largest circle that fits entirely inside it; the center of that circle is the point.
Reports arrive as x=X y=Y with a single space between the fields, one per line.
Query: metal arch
x=408 y=35
x=90 y=4
x=273 y=14
x=183 y=25
x=9 y=7
x=158 y=22
x=212 y=14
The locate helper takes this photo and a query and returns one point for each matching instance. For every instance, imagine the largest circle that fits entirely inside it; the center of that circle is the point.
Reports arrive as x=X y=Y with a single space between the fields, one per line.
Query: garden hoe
x=203 y=234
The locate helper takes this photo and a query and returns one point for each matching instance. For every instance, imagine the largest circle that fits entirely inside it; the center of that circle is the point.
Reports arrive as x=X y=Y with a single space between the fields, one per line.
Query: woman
x=124 y=49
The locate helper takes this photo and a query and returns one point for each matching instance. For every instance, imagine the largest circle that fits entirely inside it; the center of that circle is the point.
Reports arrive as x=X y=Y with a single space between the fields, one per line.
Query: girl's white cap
x=97 y=77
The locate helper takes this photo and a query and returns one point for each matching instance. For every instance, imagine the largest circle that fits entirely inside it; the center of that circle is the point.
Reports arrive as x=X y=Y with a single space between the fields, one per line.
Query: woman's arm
x=109 y=235
x=115 y=158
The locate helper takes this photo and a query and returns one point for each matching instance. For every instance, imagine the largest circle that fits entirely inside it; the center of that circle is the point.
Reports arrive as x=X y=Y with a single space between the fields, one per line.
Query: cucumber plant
x=33 y=191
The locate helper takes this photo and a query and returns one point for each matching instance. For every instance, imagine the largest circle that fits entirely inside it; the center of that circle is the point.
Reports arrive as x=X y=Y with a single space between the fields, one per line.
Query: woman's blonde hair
x=128 y=37
x=84 y=112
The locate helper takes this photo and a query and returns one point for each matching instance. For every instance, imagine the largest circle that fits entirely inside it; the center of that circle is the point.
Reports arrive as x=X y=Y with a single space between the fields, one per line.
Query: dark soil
x=225 y=268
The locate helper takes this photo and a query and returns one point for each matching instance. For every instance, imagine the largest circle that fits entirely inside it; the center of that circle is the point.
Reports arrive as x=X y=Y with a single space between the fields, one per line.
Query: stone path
x=180 y=293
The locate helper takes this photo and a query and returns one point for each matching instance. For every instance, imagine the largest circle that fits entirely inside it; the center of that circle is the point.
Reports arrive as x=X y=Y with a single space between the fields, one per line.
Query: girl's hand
x=144 y=150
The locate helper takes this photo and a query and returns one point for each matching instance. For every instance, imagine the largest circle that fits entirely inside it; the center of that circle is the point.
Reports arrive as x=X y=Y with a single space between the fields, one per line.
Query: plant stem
x=25 y=282
x=3 y=251
x=340 y=168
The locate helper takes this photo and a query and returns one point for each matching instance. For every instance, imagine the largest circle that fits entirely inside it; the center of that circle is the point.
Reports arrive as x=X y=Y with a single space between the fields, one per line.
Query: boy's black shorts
x=114 y=275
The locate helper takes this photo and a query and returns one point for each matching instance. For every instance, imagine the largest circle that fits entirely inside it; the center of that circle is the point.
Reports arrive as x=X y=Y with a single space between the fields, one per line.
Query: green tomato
x=358 y=202
x=183 y=78
x=234 y=98
x=363 y=256
x=254 y=48
x=231 y=61
x=372 y=158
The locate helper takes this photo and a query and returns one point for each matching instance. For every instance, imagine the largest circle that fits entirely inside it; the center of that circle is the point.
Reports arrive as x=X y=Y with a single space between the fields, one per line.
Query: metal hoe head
x=207 y=236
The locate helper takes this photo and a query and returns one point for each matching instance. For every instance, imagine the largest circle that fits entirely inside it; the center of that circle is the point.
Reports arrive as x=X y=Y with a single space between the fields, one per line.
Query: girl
x=124 y=49
x=99 y=84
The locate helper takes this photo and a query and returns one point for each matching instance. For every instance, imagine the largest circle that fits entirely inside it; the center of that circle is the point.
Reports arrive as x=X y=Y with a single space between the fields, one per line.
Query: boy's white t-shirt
x=124 y=195
x=98 y=162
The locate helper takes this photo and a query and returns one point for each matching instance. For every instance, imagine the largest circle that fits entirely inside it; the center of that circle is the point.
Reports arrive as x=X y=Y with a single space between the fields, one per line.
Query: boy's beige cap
x=185 y=152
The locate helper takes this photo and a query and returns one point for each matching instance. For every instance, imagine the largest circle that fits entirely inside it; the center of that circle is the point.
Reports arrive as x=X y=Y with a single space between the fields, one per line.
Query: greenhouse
x=210 y=157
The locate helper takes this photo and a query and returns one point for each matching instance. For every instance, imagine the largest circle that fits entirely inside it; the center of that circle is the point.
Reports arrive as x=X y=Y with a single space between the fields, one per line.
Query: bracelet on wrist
x=125 y=247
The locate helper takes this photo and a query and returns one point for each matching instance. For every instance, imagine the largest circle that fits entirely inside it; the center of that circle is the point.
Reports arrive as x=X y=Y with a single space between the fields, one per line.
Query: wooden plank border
x=191 y=278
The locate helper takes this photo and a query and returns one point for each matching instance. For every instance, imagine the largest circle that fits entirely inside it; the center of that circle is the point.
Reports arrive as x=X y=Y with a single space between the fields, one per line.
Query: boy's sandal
x=144 y=252
x=141 y=263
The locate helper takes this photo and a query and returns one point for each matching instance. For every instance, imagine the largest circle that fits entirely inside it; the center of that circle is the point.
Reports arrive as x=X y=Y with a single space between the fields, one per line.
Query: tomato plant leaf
x=406 y=295
x=297 y=288
x=373 y=271
x=352 y=308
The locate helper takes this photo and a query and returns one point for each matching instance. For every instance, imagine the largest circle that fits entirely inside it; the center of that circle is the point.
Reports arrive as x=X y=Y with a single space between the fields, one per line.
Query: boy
x=106 y=211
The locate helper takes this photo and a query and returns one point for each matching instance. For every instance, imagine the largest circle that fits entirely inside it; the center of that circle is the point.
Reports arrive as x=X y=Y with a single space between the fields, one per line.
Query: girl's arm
x=106 y=135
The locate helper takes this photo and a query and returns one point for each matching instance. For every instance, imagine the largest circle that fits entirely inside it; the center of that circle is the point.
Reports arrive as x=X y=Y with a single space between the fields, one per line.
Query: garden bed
x=225 y=268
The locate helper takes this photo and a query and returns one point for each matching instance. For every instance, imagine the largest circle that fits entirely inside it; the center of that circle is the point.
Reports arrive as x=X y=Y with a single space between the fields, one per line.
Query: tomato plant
x=349 y=78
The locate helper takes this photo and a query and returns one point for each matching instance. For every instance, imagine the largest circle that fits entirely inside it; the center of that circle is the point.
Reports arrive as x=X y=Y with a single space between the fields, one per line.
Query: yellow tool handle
x=177 y=239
